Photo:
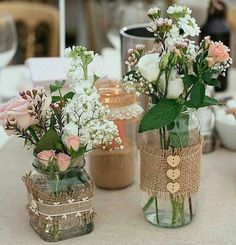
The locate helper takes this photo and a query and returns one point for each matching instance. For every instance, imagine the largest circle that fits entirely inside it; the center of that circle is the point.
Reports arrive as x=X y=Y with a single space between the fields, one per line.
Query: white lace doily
x=125 y=112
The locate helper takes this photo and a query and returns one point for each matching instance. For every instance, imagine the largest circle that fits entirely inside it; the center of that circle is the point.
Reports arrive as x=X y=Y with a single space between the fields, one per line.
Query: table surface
x=119 y=217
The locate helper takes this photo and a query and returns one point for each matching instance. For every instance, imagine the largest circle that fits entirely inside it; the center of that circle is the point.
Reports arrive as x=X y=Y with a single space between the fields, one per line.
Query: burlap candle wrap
x=112 y=166
x=186 y=172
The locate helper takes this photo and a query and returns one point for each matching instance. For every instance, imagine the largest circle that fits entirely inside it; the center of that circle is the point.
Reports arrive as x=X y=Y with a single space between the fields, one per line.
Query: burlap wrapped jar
x=170 y=171
x=113 y=166
x=60 y=204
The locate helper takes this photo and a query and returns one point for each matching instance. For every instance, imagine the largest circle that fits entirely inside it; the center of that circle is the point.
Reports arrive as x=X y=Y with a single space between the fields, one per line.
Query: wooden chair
x=32 y=15
x=232 y=23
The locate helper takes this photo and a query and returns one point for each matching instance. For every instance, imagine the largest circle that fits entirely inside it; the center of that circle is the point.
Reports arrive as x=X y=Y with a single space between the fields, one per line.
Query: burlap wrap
x=64 y=210
x=154 y=169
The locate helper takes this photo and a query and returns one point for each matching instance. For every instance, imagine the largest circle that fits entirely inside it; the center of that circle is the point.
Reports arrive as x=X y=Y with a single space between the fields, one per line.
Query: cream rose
x=17 y=109
x=175 y=85
x=175 y=88
x=149 y=66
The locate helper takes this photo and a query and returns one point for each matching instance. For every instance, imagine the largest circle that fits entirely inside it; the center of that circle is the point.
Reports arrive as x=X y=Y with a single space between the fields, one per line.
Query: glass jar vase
x=113 y=166
x=60 y=203
x=170 y=171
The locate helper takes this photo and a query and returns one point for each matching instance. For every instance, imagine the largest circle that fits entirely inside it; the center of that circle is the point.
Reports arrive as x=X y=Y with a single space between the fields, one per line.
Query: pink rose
x=17 y=108
x=45 y=156
x=218 y=53
x=72 y=142
x=63 y=161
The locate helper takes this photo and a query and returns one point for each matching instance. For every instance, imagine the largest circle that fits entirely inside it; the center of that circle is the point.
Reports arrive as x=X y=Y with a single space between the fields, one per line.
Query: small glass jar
x=165 y=209
x=113 y=166
x=60 y=203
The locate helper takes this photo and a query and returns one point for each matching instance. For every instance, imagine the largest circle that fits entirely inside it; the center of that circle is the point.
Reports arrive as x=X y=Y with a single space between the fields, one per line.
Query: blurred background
x=35 y=28
x=93 y=23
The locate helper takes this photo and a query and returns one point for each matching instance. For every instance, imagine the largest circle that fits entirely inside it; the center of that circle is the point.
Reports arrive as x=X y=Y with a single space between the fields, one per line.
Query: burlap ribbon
x=63 y=210
x=154 y=167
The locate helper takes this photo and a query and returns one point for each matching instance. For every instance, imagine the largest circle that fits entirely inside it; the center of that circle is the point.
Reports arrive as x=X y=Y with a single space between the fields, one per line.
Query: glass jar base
x=55 y=236
x=164 y=220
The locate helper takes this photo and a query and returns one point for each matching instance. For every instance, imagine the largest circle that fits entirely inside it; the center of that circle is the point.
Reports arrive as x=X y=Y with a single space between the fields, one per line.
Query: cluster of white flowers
x=183 y=21
x=88 y=119
x=87 y=116
x=179 y=11
x=78 y=71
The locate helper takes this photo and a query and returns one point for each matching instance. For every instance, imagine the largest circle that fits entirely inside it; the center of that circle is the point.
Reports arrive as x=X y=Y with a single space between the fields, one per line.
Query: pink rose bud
x=63 y=161
x=45 y=156
x=72 y=142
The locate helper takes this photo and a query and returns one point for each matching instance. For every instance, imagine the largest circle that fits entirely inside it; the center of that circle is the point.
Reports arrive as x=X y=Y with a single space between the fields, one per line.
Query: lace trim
x=125 y=112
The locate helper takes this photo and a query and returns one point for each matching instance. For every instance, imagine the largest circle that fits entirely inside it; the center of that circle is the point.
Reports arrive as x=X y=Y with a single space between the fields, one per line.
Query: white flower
x=71 y=128
x=175 y=85
x=149 y=66
x=178 y=10
x=154 y=10
x=175 y=88
x=189 y=26
x=85 y=87
x=67 y=52
x=152 y=27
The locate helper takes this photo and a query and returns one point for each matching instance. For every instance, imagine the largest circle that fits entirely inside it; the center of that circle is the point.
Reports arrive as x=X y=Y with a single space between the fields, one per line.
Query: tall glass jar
x=113 y=166
x=171 y=200
x=60 y=203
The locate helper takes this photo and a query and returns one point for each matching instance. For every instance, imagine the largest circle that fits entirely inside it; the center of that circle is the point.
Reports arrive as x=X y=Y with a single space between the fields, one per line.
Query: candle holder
x=113 y=166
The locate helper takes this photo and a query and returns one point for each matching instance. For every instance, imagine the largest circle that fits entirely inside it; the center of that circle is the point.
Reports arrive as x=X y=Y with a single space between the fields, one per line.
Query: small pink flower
x=45 y=156
x=17 y=108
x=63 y=161
x=218 y=53
x=72 y=142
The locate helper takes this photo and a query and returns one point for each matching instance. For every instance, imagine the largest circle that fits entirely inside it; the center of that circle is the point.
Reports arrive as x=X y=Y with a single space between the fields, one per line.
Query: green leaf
x=207 y=76
x=160 y=115
x=56 y=98
x=214 y=82
x=171 y=126
x=68 y=96
x=195 y=68
x=78 y=153
x=49 y=141
x=53 y=121
x=34 y=135
x=57 y=86
x=196 y=95
x=208 y=101
x=189 y=80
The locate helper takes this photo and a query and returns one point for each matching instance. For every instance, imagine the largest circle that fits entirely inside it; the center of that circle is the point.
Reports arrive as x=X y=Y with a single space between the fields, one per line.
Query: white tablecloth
x=119 y=217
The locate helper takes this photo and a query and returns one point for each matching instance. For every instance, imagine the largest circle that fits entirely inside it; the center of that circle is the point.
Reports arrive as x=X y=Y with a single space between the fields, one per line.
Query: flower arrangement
x=62 y=127
x=174 y=75
x=176 y=72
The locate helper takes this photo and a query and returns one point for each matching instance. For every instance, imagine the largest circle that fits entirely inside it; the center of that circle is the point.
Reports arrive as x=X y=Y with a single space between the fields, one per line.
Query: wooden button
x=173 y=174
x=173 y=161
x=173 y=187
